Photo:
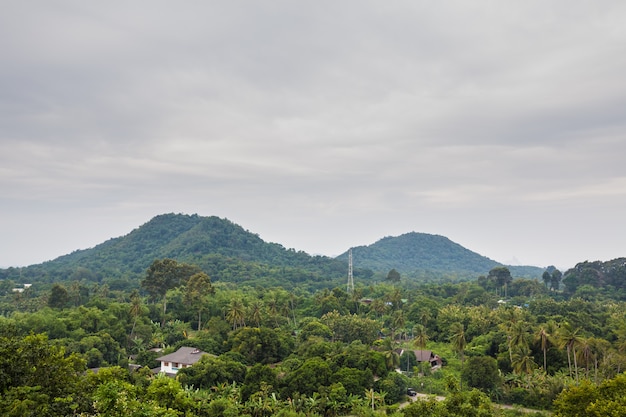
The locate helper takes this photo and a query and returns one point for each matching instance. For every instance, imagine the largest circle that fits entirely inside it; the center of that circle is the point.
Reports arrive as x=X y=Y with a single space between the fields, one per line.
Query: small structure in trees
x=182 y=358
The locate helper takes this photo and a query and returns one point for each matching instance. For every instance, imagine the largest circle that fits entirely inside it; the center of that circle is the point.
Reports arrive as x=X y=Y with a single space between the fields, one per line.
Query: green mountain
x=422 y=255
x=228 y=253
x=221 y=248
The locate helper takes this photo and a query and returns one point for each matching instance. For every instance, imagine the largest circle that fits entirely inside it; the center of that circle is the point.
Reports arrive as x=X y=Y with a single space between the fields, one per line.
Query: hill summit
x=422 y=255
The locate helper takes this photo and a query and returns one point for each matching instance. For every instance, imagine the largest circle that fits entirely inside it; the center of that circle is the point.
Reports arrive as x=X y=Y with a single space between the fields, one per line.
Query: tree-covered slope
x=421 y=254
x=229 y=253
x=223 y=249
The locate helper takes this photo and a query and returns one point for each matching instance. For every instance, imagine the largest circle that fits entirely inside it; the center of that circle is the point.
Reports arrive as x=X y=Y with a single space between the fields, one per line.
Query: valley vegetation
x=85 y=345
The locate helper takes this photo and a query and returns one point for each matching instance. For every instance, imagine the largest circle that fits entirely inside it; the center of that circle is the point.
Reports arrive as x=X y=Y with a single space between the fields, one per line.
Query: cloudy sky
x=319 y=125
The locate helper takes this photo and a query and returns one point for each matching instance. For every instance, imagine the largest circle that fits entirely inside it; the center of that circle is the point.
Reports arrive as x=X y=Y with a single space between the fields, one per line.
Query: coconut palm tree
x=523 y=362
x=518 y=336
x=544 y=335
x=236 y=313
x=421 y=338
x=392 y=357
x=570 y=339
x=458 y=340
x=255 y=312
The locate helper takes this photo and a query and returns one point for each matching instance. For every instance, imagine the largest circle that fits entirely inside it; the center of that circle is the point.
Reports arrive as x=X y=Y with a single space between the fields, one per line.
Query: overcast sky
x=319 y=125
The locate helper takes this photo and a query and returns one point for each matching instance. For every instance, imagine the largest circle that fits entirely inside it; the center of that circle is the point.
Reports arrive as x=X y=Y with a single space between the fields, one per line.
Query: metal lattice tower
x=350 y=277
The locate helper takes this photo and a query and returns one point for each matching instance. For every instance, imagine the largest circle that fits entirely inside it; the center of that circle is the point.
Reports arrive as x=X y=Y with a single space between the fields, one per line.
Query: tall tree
x=393 y=276
x=518 y=336
x=163 y=275
x=59 y=297
x=420 y=336
x=501 y=276
x=458 y=340
x=236 y=313
x=544 y=335
x=197 y=289
x=555 y=280
x=569 y=338
x=135 y=310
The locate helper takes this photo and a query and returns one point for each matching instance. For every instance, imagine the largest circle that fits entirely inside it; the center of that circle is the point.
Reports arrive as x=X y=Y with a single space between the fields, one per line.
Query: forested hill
x=422 y=255
x=221 y=248
x=229 y=253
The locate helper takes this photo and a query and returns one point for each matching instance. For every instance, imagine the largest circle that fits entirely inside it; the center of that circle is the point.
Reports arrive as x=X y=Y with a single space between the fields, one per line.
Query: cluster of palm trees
x=238 y=313
x=266 y=403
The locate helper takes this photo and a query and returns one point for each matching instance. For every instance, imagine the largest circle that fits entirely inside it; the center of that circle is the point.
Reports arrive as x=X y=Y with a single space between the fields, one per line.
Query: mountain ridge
x=230 y=253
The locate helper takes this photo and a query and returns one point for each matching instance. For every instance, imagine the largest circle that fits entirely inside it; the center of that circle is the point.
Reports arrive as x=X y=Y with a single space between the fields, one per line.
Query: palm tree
x=272 y=306
x=397 y=321
x=586 y=352
x=255 y=311
x=542 y=336
x=523 y=362
x=570 y=338
x=421 y=338
x=518 y=336
x=236 y=313
x=391 y=355
x=458 y=340
x=135 y=310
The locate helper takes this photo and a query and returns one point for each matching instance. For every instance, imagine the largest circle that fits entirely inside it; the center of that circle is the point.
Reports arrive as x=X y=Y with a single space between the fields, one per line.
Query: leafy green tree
x=555 y=280
x=468 y=404
x=197 y=289
x=394 y=385
x=257 y=376
x=211 y=371
x=163 y=275
x=481 y=372
x=355 y=381
x=575 y=400
x=59 y=297
x=37 y=378
x=308 y=378
x=547 y=278
x=348 y=328
x=501 y=275
x=261 y=344
x=393 y=276
x=169 y=394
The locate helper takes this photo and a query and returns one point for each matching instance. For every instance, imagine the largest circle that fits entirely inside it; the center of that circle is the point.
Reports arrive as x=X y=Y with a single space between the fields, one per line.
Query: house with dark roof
x=422 y=356
x=428 y=356
x=182 y=358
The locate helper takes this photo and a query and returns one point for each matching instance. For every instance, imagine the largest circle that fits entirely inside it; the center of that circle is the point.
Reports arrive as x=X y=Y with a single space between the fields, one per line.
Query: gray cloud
x=319 y=126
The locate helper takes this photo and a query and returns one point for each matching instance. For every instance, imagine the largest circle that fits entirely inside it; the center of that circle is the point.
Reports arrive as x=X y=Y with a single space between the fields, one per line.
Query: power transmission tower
x=350 y=277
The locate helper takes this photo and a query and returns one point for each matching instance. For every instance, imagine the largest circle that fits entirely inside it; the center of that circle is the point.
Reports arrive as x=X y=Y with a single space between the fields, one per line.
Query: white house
x=182 y=358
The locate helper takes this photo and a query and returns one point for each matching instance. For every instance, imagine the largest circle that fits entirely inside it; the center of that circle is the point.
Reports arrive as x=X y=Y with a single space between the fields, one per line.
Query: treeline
x=330 y=352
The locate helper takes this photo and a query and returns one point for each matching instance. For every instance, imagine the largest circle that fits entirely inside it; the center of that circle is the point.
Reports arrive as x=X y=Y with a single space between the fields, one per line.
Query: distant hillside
x=223 y=249
x=228 y=253
x=421 y=255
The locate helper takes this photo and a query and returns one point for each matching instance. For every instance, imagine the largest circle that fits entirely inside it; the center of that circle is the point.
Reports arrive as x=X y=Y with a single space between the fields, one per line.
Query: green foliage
x=608 y=277
x=261 y=345
x=36 y=378
x=210 y=371
x=481 y=372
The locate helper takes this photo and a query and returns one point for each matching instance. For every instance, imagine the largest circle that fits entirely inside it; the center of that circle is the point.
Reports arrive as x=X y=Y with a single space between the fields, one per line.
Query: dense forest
x=86 y=343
